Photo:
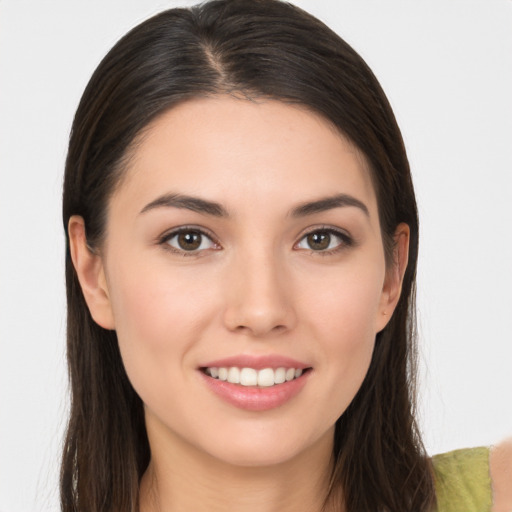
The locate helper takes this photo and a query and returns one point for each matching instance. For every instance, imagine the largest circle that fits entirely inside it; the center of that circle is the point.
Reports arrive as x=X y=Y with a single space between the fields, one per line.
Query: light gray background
x=446 y=66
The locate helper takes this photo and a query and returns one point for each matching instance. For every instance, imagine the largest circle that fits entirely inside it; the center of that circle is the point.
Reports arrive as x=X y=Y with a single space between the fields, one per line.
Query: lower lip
x=254 y=398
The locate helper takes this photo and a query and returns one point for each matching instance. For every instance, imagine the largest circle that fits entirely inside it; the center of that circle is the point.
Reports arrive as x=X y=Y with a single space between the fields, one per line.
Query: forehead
x=234 y=150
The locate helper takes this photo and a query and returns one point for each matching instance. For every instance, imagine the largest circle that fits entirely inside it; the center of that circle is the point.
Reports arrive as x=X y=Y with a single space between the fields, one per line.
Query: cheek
x=343 y=319
x=345 y=308
x=158 y=318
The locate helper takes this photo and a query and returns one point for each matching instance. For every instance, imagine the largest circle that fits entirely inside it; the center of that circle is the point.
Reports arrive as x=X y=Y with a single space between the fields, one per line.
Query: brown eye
x=324 y=240
x=319 y=240
x=189 y=240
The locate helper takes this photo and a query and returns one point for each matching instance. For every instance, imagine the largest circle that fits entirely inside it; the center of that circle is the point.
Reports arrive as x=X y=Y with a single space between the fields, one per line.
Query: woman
x=242 y=251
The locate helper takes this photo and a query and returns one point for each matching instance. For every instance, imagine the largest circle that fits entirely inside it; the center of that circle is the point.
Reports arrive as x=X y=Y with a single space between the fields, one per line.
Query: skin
x=500 y=466
x=256 y=287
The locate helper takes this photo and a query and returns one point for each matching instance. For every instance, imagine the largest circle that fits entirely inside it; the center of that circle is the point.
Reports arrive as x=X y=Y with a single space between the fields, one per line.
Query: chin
x=263 y=449
x=256 y=456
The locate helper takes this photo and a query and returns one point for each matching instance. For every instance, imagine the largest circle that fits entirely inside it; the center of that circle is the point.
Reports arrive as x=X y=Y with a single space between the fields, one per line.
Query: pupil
x=189 y=241
x=319 y=241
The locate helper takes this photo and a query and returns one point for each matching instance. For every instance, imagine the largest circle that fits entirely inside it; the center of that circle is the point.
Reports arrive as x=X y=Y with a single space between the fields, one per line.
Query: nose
x=259 y=297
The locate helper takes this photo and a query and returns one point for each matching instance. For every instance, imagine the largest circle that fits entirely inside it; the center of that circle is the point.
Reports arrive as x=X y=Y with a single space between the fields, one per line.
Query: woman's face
x=244 y=237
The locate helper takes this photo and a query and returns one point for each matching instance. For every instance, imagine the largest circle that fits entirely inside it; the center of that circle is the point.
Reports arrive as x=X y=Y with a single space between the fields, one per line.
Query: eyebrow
x=328 y=203
x=204 y=206
x=187 y=202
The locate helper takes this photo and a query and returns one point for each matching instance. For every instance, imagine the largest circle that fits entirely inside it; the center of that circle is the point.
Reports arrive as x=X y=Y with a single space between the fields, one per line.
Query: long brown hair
x=259 y=49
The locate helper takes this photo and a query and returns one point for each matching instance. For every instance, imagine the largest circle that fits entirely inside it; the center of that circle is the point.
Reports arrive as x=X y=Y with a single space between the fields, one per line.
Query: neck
x=181 y=478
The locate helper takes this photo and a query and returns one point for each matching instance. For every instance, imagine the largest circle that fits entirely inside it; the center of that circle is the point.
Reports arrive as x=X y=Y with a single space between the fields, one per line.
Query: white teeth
x=250 y=377
x=280 y=375
x=266 y=377
x=234 y=375
x=290 y=374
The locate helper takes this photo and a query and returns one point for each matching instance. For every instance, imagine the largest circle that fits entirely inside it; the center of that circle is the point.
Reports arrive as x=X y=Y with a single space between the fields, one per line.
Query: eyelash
x=346 y=241
x=164 y=240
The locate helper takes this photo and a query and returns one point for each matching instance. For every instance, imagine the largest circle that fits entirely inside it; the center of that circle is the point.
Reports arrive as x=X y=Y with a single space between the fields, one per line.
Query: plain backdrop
x=446 y=66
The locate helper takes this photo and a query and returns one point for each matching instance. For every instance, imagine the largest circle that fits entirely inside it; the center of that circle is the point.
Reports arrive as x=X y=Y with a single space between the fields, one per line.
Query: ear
x=394 y=276
x=91 y=275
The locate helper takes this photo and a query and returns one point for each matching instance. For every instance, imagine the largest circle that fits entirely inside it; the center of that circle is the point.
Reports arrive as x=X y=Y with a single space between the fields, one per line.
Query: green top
x=462 y=480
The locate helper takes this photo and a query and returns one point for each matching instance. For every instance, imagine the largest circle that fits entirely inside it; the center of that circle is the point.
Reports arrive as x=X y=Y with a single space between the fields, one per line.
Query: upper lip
x=256 y=362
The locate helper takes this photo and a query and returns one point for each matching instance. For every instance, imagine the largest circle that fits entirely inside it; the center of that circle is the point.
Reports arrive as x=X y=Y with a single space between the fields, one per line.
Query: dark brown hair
x=257 y=49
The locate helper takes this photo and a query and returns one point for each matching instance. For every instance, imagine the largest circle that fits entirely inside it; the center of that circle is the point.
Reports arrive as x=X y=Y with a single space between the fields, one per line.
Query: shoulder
x=500 y=467
x=474 y=479
x=462 y=480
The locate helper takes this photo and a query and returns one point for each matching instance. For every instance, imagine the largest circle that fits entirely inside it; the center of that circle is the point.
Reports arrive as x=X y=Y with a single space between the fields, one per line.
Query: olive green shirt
x=463 y=483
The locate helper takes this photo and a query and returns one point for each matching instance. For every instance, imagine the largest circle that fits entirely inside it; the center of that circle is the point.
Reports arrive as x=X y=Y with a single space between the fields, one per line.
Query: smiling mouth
x=250 y=377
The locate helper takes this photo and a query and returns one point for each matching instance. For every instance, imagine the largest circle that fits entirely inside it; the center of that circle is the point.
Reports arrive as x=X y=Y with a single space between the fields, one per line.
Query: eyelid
x=171 y=233
x=347 y=240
